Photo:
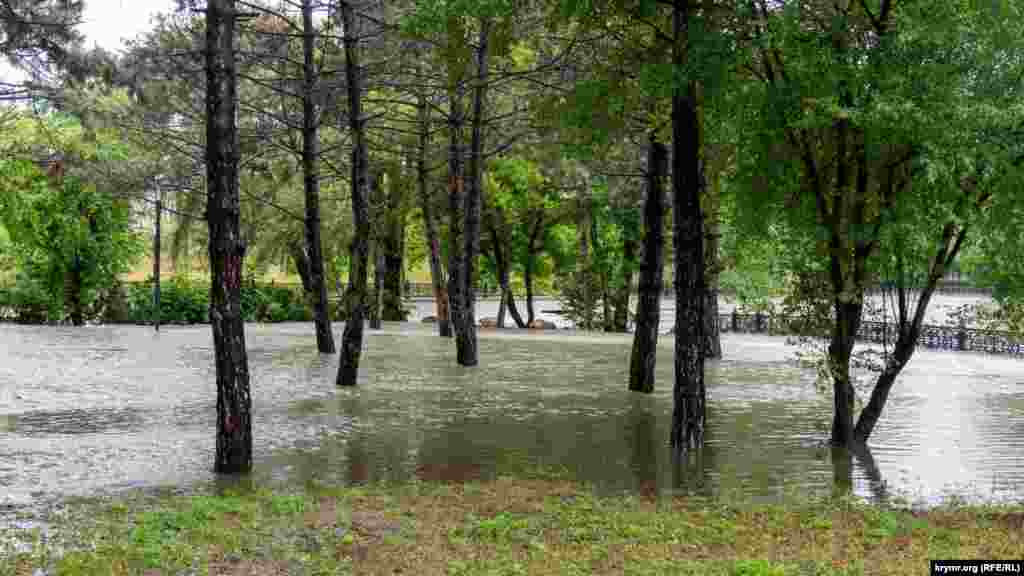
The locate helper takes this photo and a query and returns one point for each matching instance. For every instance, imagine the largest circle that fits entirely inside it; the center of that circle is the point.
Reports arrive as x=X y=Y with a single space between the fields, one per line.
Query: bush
x=187 y=302
x=29 y=303
x=181 y=301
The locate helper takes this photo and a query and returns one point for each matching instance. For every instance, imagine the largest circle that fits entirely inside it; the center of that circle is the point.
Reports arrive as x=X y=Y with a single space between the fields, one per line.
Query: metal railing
x=953 y=338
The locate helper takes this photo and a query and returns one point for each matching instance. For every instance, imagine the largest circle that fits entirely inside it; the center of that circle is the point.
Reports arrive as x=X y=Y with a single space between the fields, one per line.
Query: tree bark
x=301 y=260
x=456 y=193
x=352 y=338
x=909 y=328
x=74 y=294
x=689 y=394
x=467 y=352
x=376 y=252
x=532 y=249
x=430 y=224
x=226 y=248
x=620 y=320
x=311 y=185
x=391 y=245
x=648 y=309
x=156 y=257
x=712 y=229
x=583 y=264
x=501 y=262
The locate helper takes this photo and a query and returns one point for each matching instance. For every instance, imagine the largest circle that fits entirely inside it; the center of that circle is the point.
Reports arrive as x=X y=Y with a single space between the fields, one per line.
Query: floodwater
x=99 y=409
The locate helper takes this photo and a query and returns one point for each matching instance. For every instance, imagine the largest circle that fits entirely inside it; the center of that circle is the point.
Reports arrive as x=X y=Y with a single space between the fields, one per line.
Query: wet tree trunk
x=584 y=270
x=466 y=342
x=689 y=394
x=648 y=308
x=909 y=328
x=532 y=249
x=456 y=193
x=391 y=246
x=501 y=262
x=226 y=248
x=712 y=234
x=311 y=185
x=156 y=257
x=430 y=224
x=376 y=252
x=620 y=319
x=352 y=338
x=74 y=294
x=301 y=260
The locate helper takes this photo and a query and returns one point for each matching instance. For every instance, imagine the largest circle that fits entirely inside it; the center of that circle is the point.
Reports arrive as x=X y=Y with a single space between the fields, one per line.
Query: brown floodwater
x=101 y=409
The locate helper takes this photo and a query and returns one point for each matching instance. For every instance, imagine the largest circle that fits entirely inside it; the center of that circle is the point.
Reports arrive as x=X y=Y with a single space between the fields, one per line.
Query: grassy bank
x=508 y=526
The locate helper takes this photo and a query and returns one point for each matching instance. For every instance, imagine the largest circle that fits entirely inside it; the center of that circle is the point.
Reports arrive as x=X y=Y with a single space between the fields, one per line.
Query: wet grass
x=537 y=525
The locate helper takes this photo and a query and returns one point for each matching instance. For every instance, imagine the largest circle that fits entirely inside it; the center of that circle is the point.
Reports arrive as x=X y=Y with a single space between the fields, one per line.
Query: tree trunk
x=840 y=350
x=226 y=248
x=302 y=264
x=430 y=224
x=391 y=245
x=620 y=320
x=352 y=338
x=583 y=264
x=156 y=257
x=376 y=252
x=909 y=330
x=532 y=249
x=689 y=394
x=648 y=308
x=74 y=294
x=311 y=185
x=456 y=193
x=501 y=262
x=712 y=233
x=466 y=342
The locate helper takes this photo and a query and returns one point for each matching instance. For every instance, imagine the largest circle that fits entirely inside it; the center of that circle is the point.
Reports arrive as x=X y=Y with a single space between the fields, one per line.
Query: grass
x=510 y=526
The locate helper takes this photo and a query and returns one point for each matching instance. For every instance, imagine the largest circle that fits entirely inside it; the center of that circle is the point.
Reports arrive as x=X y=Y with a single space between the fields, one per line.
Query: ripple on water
x=105 y=409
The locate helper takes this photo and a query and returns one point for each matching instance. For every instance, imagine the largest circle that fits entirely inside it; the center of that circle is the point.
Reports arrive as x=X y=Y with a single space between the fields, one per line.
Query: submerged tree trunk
x=620 y=319
x=430 y=224
x=909 y=328
x=466 y=342
x=377 y=216
x=533 y=248
x=311 y=185
x=391 y=246
x=584 y=270
x=648 y=308
x=352 y=338
x=689 y=394
x=712 y=233
x=226 y=248
x=73 y=294
x=501 y=262
x=456 y=193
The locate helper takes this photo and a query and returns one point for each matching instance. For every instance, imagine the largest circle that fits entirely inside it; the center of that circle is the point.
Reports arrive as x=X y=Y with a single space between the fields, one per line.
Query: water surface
x=96 y=410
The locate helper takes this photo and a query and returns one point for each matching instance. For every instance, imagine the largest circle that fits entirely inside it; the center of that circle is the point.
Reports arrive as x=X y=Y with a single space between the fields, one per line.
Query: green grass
x=542 y=524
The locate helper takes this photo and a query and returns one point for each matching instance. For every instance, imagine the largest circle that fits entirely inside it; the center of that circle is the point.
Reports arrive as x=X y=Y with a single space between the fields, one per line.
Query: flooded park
x=101 y=409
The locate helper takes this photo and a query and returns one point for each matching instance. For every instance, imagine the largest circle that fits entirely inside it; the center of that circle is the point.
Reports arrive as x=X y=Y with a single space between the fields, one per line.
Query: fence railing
x=934 y=337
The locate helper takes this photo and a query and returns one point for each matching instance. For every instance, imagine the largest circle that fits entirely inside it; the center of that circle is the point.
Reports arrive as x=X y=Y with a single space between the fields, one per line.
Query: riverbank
x=534 y=524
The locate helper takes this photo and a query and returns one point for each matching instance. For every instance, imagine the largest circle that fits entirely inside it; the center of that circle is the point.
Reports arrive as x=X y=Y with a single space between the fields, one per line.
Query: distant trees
x=70 y=236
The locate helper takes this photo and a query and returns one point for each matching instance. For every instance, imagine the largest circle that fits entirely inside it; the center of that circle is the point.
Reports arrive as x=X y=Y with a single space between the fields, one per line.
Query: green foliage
x=64 y=234
x=186 y=302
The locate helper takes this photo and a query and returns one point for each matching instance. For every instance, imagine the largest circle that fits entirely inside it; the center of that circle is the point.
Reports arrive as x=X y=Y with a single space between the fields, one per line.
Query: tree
x=881 y=119
x=352 y=338
x=36 y=36
x=645 y=339
x=311 y=182
x=226 y=246
x=688 y=184
x=71 y=236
